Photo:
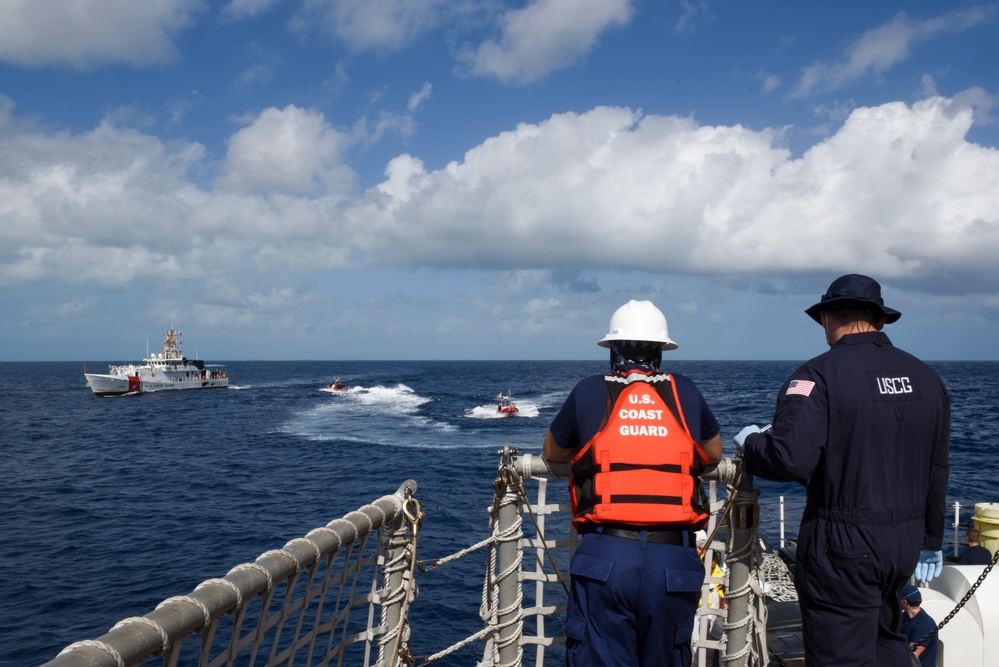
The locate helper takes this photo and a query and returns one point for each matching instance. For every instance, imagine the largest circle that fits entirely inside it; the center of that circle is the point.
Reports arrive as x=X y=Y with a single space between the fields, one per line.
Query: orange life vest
x=637 y=469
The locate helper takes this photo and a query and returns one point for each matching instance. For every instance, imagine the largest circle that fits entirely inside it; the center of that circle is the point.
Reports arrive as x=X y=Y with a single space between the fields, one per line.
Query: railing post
x=782 y=522
x=509 y=560
x=397 y=576
x=744 y=524
x=957 y=528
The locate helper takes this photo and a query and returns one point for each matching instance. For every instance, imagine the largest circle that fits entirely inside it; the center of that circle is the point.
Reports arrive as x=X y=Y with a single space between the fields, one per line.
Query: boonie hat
x=854 y=288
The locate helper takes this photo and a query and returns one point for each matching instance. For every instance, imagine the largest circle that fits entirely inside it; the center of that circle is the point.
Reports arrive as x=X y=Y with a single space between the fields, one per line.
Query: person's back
x=881 y=400
x=635 y=439
x=919 y=627
x=866 y=428
x=975 y=554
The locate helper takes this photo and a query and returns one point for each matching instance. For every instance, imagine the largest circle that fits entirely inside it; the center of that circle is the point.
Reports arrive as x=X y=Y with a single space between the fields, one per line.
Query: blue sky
x=471 y=179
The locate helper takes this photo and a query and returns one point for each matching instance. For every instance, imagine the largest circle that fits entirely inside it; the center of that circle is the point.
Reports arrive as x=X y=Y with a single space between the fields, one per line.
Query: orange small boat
x=504 y=406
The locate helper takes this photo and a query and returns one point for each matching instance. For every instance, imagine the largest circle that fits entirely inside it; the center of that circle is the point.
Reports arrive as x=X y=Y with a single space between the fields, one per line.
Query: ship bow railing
x=343 y=593
x=339 y=595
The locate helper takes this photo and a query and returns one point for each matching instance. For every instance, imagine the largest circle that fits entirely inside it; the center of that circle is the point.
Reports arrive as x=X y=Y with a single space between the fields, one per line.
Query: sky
x=475 y=179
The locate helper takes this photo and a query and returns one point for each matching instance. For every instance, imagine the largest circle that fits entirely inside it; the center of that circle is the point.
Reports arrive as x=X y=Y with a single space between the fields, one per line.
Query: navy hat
x=908 y=591
x=854 y=288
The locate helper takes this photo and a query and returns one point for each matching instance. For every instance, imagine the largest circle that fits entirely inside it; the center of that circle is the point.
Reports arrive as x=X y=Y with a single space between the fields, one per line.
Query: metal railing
x=341 y=594
x=335 y=596
x=745 y=618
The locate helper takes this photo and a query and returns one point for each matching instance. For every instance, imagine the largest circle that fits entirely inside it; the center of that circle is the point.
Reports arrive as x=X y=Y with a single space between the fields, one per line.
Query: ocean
x=111 y=505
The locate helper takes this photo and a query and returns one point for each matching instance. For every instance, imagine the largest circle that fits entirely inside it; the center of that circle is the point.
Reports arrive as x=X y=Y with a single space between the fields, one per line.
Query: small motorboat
x=504 y=406
x=336 y=386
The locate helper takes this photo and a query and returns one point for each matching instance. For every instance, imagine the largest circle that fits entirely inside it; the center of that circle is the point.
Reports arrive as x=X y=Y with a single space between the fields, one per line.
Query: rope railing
x=338 y=597
x=507 y=608
x=310 y=602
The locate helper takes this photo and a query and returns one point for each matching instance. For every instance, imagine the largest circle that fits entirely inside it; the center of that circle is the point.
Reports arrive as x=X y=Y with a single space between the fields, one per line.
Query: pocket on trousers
x=685 y=577
x=684 y=632
x=838 y=565
x=574 y=627
x=591 y=567
x=851 y=578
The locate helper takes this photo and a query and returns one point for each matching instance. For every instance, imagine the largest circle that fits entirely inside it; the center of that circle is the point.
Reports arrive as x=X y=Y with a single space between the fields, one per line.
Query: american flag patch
x=800 y=387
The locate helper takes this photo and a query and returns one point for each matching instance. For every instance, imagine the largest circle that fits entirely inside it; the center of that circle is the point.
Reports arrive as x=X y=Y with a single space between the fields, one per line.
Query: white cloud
x=239 y=9
x=692 y=14
x=419 y=97
x=379 y=25
x=897 y=191
x=882 y=48
x=291 y=151
x=86 y=33
x=400 y=123
x=545 y=36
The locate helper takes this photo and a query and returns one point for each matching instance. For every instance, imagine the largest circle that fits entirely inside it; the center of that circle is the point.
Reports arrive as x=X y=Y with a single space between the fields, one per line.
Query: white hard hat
x=638 y=320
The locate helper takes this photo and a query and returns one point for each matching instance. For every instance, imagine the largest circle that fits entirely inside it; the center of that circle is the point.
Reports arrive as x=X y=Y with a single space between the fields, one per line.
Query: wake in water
x=399 y=399
x=378 y=414
x=526 y=409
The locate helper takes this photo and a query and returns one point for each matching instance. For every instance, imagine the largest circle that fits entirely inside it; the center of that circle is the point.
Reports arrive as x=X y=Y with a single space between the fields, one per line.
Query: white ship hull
x=117 y=385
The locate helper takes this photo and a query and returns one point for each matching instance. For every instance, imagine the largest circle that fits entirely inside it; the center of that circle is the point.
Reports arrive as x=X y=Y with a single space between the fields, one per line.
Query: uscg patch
x=799 y=387
x=892 y=387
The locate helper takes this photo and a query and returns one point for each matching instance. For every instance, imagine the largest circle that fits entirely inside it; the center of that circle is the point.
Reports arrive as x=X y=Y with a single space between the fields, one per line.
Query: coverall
x=865 y=428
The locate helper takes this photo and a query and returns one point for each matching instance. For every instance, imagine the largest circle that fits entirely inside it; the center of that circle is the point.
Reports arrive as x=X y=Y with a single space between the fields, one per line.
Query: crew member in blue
x=635 y=440
x=975 y=554
x=918 y=627
x=865 y=428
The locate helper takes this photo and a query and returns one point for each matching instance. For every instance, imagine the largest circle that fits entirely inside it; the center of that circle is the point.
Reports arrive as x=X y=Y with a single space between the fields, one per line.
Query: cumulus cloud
x=897 y=191
x=289 y=151
x=880 y=49
x=87 y=33
x=545 y=36
x=114 y=206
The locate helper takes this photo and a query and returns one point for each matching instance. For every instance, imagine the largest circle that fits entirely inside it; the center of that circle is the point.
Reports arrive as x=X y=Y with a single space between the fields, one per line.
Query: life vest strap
x=665 y=467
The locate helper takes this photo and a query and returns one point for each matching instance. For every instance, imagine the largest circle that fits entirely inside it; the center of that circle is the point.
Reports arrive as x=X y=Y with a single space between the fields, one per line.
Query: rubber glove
x=740 y=438
x=929 y=566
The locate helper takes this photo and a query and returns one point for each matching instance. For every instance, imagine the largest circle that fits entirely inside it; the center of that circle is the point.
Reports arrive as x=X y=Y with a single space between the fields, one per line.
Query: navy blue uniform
x=976 y=555
x=632 y=601
x=915 y=629
x=866 y=428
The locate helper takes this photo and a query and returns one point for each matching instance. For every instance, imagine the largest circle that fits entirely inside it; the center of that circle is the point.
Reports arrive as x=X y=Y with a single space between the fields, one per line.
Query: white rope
x=405 y=594
x=286 y=554
x=188 y=599
x=164 y=638
x=464 y=552
x=304 y=540
x=344 y=523
x=256 y=567
x=228 y=584
x=93 y=643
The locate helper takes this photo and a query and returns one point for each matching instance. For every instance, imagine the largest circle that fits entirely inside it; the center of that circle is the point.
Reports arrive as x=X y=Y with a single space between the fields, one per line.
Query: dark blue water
x=111 y=505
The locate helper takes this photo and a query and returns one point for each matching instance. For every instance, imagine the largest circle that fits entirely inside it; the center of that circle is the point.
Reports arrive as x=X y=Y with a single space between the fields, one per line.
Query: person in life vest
x=635 y=440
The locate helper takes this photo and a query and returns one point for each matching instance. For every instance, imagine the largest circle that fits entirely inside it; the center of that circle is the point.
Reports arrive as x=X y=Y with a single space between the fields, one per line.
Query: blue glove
x=930 y=565
x=740 y=438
